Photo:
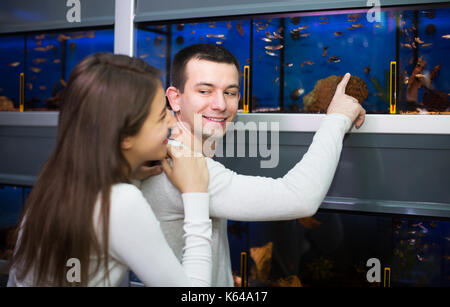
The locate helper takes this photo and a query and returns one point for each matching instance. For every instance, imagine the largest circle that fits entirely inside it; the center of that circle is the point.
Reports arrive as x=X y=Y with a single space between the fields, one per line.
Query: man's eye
x=231 y=94
x=203 y=92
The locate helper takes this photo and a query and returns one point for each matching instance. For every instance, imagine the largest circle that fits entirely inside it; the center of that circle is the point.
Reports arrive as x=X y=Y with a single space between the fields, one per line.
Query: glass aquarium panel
x=46 y=59
x=424 y=68
x=157 y=45
x=297 y=59
x=333 y=249
x=12 y=200
x=12 y=50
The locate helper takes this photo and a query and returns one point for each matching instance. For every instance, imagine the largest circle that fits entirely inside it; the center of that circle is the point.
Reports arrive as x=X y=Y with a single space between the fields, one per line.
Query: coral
x=320 y=97
x=6 y=104
x=435 y=100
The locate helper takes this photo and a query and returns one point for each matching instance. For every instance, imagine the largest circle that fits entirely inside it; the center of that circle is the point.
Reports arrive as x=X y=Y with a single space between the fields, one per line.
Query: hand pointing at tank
x=347 y=105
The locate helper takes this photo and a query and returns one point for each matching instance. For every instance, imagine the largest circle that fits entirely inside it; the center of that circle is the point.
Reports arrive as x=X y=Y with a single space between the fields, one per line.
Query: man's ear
x=173 y=95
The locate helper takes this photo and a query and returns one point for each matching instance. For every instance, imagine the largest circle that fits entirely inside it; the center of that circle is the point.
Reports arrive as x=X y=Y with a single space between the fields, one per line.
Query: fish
x=219 y=42
x=427 y=44
x=357 y=25
x=307 y=63
x=305 y=34
x=56 y=61
x=62 y=37
x=295 y=94
x=277 y=36
x=30 y=86
x=216 y=35
x=193 y=32
x=44 y=49
x=271 y=53
x=35 y=69
x=300 y=28
x=179 y=40
x=289 y=64
x=143 y=56
x=378 y=25
x=407 y=46
x=42 y=87
x=338 y=33
x=276 y=47
x=446 y=36
x=229 y=25
x=161 y=55
x=63 y=82
x=90 y=34
x=240 y=29
x=39 y=60
x=267 y=40
x=14 y=64
x=323 y=20
x=334 y=59
x=367 y=70
x=324 y=53
x=418 y=40
x=158 y=40
x=276 y=80
x=309 y=222
x=211 y=24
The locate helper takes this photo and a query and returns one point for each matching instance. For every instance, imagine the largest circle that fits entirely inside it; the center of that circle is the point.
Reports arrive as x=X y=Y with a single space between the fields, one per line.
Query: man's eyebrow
x=212 y=85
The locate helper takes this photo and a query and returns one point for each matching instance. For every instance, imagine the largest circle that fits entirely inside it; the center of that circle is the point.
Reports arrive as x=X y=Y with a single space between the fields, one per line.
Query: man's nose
x=218 y=102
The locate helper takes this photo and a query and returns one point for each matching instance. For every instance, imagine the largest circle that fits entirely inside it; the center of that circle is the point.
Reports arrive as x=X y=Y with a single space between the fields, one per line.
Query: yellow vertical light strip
x=386 y=269
x=243 y=269
x=246 y=99
x=22 y=92
x=393 y=88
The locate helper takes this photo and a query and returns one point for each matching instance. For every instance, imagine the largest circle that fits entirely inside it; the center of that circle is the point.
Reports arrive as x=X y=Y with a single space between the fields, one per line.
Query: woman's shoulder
x=125 y=193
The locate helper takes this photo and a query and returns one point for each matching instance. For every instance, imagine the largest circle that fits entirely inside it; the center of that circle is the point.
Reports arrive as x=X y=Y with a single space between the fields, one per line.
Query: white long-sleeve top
x=137 y=242
x=252 y=198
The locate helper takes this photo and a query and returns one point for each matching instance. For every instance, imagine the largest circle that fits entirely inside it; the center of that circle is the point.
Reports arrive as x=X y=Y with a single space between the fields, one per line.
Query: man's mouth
x=215 y=119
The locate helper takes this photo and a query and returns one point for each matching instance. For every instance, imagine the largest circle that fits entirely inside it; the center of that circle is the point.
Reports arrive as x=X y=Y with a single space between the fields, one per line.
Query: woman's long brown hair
x=107 y=98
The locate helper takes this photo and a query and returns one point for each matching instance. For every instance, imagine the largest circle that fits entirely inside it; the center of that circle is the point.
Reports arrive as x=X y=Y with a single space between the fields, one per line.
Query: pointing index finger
x=343 y=84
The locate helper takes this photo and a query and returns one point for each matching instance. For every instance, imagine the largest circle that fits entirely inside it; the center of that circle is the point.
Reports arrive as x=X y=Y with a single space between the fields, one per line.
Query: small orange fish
x=56 y=61
x=324 y=53
x=143 y=56
x=215 y=35
x=338 y=33
x=35 y=69
x=418 y=40
x=447 y=36
x=30 y=86
x=42 y=87
x=357 y=25
x=39 y=60
x=427 y=44
x=14 y=64
x=307 y=63
x=240 y=29
x=277 y=47
x=271 y=53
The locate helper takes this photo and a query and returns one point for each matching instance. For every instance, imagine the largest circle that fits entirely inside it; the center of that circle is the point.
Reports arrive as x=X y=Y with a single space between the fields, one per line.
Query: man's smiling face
x=211 y=90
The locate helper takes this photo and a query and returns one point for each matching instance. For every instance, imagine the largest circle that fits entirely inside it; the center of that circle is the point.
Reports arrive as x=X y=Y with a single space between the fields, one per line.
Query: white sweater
x=137 y=242
x=252 y=198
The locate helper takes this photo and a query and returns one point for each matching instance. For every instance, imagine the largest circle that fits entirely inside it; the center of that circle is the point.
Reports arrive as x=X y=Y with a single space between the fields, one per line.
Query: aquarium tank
x=333 y=249
x=397 y=58
x=36 y=65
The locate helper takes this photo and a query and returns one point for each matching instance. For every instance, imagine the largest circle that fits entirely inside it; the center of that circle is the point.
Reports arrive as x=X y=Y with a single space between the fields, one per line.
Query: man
x=205 y=82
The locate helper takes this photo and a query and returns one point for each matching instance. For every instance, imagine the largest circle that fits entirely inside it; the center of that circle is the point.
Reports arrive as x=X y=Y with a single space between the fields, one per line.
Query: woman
x=83 y=209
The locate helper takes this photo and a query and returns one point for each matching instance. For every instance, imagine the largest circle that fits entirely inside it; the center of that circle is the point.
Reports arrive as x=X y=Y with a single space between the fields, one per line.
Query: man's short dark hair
x=208 y=52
